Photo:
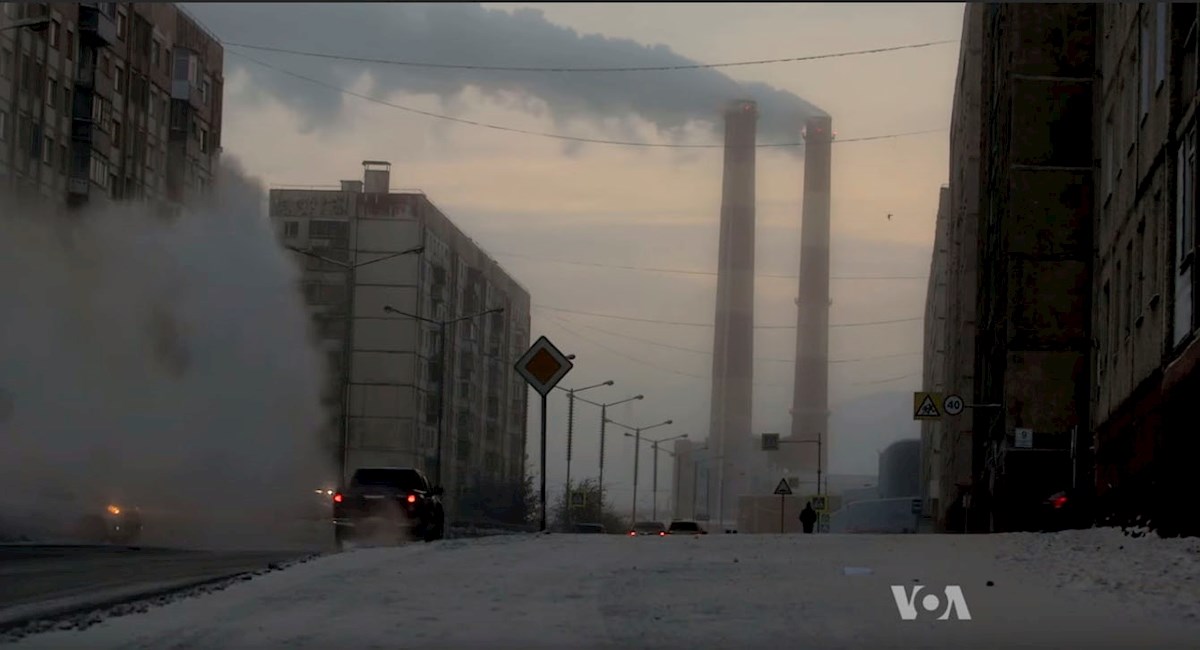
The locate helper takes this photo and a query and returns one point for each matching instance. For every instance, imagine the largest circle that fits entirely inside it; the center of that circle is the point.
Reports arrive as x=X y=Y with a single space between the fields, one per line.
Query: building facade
x=388 y=369
x=110 y=101
x=947 y=470
x=1145 y=351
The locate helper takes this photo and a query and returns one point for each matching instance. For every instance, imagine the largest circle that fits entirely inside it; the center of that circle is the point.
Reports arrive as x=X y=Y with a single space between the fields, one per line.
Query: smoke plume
x=471 y=34
x=160 y=363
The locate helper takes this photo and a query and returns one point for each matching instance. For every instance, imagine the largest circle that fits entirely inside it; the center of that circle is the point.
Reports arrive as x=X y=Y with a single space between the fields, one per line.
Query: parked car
x=685 y=527
x=1065 y=510
x=642 y=528
x=590 y=529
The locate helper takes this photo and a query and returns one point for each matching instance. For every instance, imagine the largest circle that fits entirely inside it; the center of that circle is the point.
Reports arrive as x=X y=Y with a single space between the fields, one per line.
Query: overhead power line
x=557 y=136
x=695 y=324
x=648 y=68
x=653 y=269
x=630 y=337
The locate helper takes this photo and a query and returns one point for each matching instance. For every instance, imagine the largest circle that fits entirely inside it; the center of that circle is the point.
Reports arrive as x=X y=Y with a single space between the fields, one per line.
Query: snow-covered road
x=1078 y=589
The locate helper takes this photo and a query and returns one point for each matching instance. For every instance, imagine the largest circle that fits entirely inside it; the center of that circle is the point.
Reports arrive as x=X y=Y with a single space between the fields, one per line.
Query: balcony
x=97 y=24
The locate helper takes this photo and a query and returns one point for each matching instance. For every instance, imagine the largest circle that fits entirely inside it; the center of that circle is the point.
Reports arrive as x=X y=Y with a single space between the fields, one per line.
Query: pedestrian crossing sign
x=926 y=406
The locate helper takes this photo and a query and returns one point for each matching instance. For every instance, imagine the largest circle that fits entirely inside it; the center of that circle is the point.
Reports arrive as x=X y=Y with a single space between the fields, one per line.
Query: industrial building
x=387 y=366
x=105 y=100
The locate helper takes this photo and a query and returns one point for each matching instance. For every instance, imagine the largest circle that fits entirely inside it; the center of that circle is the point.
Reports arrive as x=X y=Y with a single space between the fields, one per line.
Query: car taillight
x=1059 y=501
x=633 y=533
x=412 y=498
x=337 y=497
x=662 y=533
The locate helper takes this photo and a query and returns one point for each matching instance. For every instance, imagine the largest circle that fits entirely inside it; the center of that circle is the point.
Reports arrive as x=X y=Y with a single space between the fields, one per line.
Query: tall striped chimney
x=810 y=399
x=733 y=338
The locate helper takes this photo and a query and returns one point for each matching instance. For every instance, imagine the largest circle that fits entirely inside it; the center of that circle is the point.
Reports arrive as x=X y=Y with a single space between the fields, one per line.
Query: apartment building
x=948 y=450
x=386 y=368
x=933 y=373
x=1145 y=352
x=109 y=101
x=1033 y=302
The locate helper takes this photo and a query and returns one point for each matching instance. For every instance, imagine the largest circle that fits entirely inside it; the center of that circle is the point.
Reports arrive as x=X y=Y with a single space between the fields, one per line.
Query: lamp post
x=637 y=436
x=348 y=334
x=441 y=397
x=571 y=434
x=603 y=422
x=654 y=445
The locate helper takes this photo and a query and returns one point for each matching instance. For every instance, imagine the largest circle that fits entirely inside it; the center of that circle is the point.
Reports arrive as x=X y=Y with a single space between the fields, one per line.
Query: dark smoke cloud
x=469 y=33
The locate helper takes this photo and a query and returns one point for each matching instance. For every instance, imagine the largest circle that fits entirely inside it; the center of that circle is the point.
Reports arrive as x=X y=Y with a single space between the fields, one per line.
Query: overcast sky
x=523 y=196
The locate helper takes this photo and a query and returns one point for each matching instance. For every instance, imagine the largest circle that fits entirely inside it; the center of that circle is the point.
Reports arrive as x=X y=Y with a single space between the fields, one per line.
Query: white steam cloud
x=162 y=363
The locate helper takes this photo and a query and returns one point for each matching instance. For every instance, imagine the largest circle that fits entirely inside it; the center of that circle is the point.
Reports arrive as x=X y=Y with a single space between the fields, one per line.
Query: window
x=1102 y=326
x=122 y=23
x=63 y=158
x=1144 y=53
x=106 y=65
x=1119 y=302
x=152 y=103
x=1110 y=155
x=1131 y=289
x=291 y=229
x=55 y=27
x=323 y=229
x=156 y=53
x=3 y=126
x=51 y=92
x=1186 y=200
x=1161 y=44
x=6 y=63
x=48 y=150
x=119 y=80
x=66 y=97
x=70 y=49
x=203 y=140
x=205 y=89
x=116 y=134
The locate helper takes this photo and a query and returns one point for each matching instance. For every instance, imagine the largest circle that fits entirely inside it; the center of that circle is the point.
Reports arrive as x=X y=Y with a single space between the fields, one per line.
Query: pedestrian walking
x=808 y=517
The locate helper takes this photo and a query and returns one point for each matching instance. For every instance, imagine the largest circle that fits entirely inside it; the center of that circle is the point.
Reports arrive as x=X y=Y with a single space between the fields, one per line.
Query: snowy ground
x=1077 y=589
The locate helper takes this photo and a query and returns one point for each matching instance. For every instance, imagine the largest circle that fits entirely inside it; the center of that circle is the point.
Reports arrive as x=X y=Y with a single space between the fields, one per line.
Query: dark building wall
x=1034 y=291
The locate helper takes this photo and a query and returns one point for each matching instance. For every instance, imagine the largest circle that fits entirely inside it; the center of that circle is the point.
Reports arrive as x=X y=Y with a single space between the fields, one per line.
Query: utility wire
x=652 y=68
x=709 y=352
x=653 y=269
x=694 y=324
x=557 y=136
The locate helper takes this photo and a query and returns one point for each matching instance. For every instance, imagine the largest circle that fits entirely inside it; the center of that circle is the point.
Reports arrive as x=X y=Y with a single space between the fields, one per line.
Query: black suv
x=386 y=501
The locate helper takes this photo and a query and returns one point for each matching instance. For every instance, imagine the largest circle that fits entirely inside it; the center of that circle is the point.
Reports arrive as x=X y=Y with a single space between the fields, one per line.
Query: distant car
x=388 y=501
x=685 y=527
x=648 y=528
x=115 y=525
x=1066 y=510
x=590 y=529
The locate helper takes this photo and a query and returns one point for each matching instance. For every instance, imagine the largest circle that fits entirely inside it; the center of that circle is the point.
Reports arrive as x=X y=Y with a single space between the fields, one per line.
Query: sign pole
x=782 y=500
x=543 y=499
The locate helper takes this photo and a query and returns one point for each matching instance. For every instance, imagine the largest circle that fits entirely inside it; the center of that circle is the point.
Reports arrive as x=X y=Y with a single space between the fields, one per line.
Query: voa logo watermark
x=906 y=602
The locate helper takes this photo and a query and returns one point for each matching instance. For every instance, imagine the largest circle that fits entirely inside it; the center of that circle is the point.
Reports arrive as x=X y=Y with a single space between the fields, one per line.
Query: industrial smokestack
x=733 y=340
x=810 y=400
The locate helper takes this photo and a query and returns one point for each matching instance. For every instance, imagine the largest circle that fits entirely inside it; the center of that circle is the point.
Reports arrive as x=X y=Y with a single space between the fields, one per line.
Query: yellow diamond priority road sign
x=543 y=366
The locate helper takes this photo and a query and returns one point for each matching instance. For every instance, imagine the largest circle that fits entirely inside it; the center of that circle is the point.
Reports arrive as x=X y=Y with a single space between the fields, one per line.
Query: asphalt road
x=41 y=580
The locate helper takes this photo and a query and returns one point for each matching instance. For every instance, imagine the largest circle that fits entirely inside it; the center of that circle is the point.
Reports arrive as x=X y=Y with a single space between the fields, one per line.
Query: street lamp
x=441 y=398
x=348 y=334
x=604 y=421
x=637 y=435
x=654 y=445
x=571 y=434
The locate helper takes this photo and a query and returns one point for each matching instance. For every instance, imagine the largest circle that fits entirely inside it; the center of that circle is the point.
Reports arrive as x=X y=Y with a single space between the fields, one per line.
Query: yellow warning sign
x=927 y=406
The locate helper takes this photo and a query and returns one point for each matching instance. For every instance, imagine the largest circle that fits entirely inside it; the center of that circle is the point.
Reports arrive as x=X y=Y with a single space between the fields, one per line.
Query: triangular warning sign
x=783 y=488
x=927 y=409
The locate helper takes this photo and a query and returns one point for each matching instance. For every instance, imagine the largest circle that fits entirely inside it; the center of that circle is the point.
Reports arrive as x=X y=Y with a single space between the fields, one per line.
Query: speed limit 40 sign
x=953 y=405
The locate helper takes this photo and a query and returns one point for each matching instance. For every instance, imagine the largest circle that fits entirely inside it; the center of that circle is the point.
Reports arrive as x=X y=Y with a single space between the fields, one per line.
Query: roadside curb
x=83 y=612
